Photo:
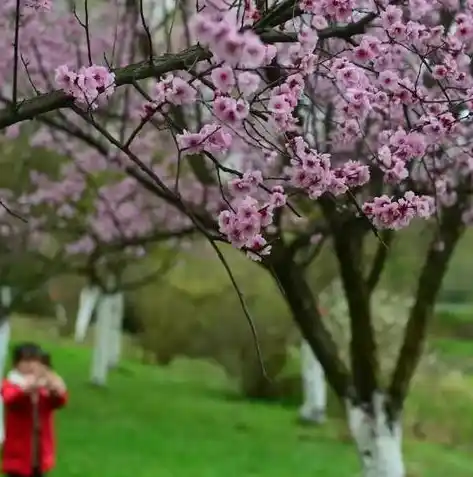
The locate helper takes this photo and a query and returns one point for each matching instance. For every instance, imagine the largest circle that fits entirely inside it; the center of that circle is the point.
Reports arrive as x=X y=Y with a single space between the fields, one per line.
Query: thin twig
x=16 y=48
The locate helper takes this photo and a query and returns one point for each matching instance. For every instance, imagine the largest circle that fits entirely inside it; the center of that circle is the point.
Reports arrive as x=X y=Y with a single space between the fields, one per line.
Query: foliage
x=229 y=340
x=195 y=313
x=168 y=320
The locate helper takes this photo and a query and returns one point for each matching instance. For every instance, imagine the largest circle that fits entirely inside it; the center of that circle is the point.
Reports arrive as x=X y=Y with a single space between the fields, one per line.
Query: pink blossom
x=389 y=80
x=181 y=92
x=65 y=78
x=223 y=79
x=44 y=5
x=190 y=143
x=248 y=83
x=83 y=246
x=254 y=51
x=279 y=104
x=258 y=247
x=229 y=110
x=216 y=138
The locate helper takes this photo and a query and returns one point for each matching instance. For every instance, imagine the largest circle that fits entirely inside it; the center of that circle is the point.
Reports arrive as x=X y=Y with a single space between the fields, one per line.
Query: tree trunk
x=314 y=387
x=378 y=439
x=88 y=299
x=101 y=353
x=6 y=298
x=116 y=329
x=301 y=301
x=61 y=316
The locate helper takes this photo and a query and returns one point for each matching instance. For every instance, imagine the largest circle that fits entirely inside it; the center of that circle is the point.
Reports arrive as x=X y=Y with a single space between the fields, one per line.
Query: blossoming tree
x=99 y=214
x=101 y=223
x=23 y=269
x=292 y=118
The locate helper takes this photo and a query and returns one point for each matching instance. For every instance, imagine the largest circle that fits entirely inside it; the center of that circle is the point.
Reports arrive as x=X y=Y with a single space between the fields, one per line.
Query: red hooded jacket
x=17 y=453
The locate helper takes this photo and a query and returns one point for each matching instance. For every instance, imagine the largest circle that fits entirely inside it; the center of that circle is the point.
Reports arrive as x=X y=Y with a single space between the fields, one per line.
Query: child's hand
x=42 y=382
x=56 y=383
x=31 y=383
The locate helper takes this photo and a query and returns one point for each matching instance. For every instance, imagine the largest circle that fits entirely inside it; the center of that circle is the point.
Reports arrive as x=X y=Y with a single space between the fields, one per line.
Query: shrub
x=208 y=322
x=228 y=339
x=132 y=322
x=63 y=290
x=168 y=320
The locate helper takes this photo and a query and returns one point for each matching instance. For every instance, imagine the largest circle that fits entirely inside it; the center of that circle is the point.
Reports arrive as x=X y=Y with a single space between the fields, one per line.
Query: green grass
x=454 y=349
x=176 y=422
x=451 y=316
x=452 y=335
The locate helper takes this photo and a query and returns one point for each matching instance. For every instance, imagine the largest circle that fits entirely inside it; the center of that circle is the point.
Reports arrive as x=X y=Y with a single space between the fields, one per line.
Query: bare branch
x=16 y=53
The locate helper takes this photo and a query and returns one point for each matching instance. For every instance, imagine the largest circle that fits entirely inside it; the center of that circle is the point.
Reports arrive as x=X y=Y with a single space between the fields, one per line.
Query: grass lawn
x=152 y=422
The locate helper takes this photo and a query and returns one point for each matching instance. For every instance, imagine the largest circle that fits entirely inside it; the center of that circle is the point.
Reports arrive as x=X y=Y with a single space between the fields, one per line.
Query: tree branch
x=165 y=63
x=343 y=32
x=429 y=283
x=291 y=281
x=145 y=240
x=304 y=238
x=347 y=237
x=44 y=103
x=313 y=253
x=377 y=267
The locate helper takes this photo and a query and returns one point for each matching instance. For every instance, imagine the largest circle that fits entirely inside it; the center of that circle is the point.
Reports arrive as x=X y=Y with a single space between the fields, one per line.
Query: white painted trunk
x=314 y=386
x=89 y=296
x=101 y=353
x=116 y=329
x=6 y=296
x=61 y=314
x=378 y=440
x=6 y=299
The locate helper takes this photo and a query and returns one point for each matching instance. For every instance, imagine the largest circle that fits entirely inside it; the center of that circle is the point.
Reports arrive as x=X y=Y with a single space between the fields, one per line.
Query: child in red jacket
x=31 y=393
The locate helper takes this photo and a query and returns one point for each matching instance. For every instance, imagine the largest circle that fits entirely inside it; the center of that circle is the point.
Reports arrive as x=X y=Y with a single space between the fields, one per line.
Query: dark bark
x=312 y=253
x=429 y=283
x=379 y=260
x=298 y=295
x=362 y=344
x=348 y=233
x=303 y=239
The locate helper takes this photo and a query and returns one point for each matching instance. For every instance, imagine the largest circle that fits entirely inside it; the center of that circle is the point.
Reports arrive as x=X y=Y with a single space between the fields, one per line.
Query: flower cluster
x=335 y=9
x=244 y=224
x=171 y=90
x=44 y=5
x=380 y=120
x=88 y=86
x=400 y=148
x=174 y=90
x=386 y=212
x=313 y=172
x=216 y=28
x=284 y=100
x=212 y=138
